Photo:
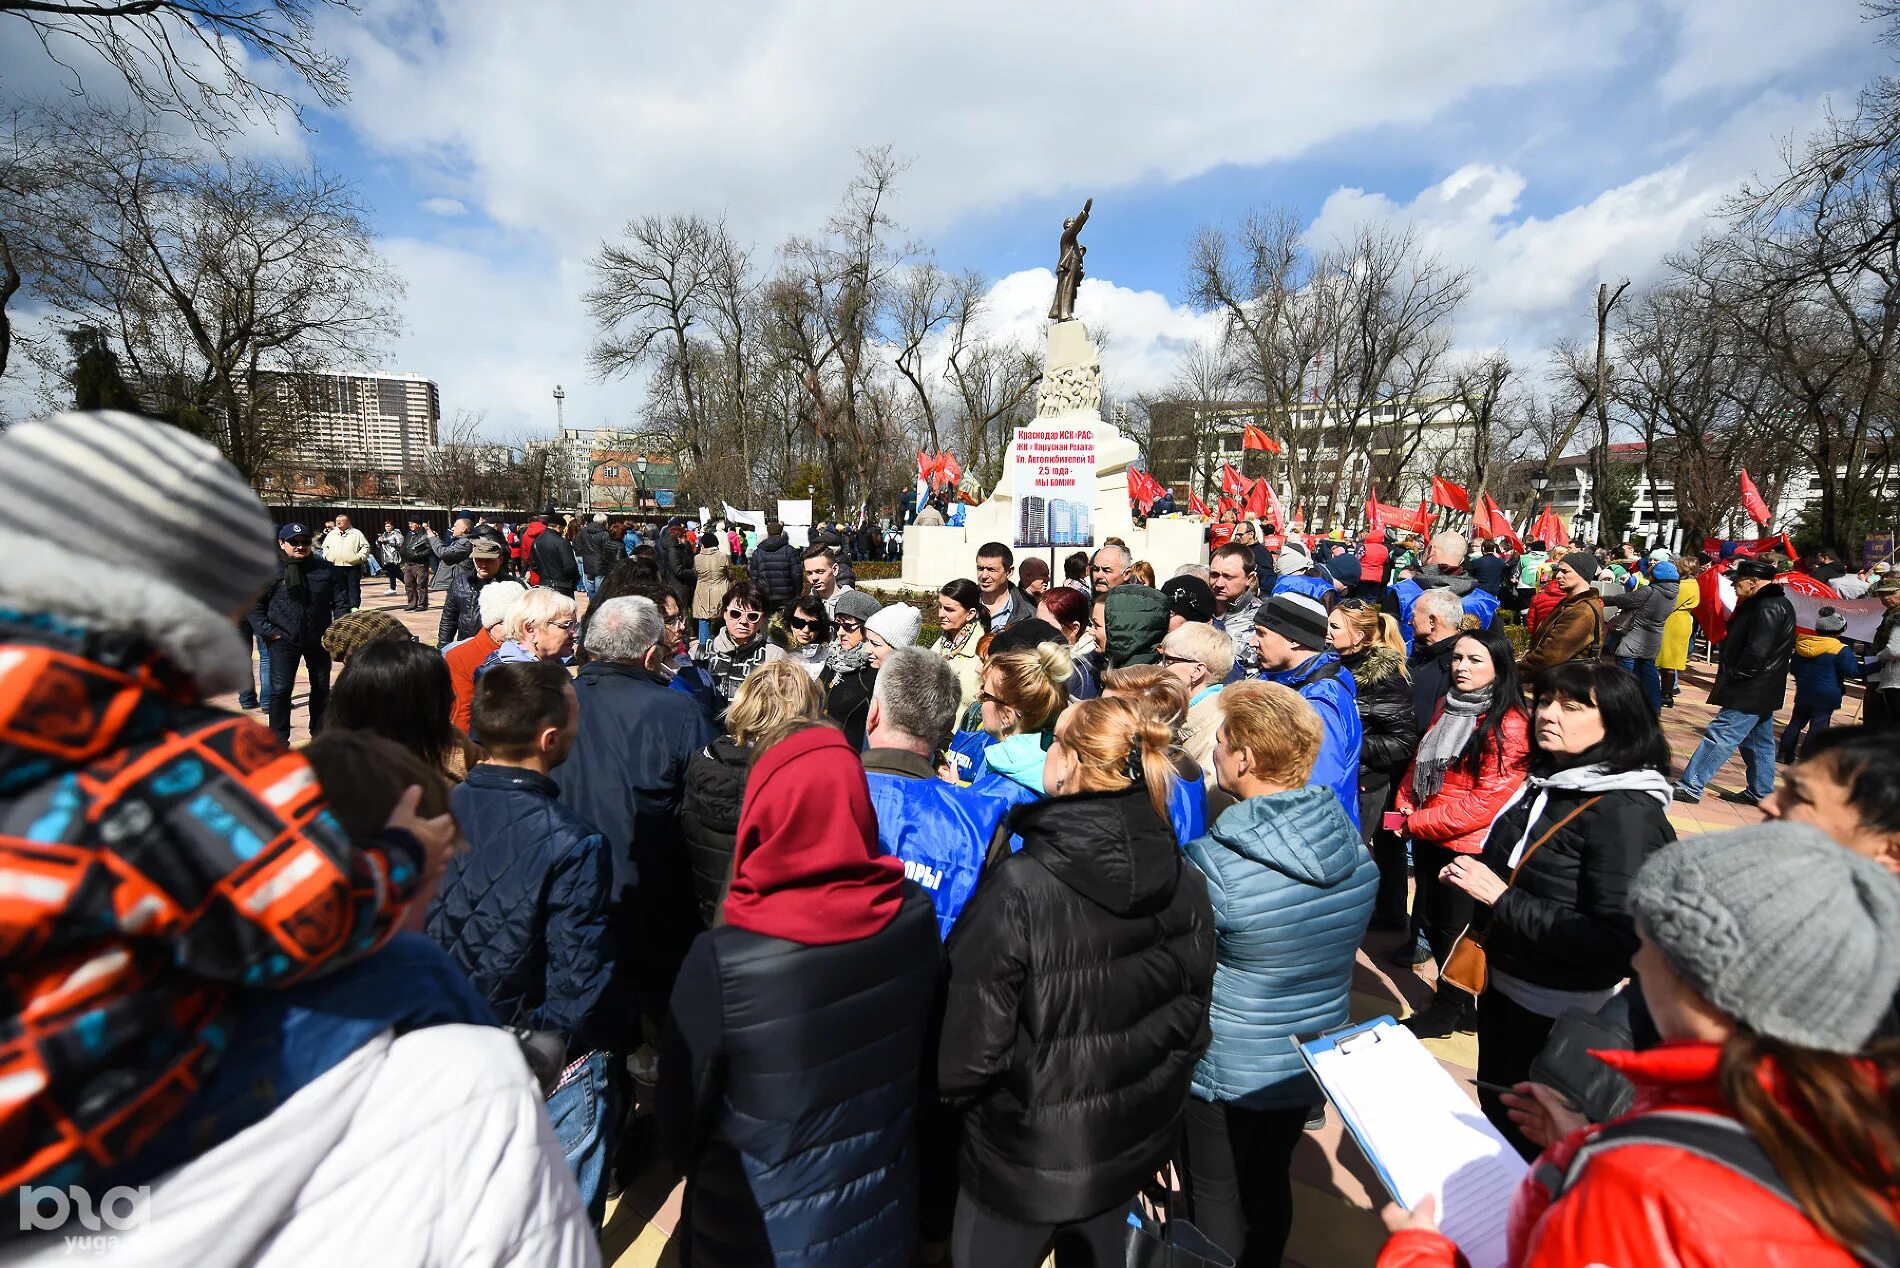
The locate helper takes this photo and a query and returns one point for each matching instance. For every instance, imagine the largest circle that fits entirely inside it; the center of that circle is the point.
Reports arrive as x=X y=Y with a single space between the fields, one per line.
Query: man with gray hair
x=626 y=775
x=941 y=831
x=1437 y=618
x=1443 y=568
x=1110 y=568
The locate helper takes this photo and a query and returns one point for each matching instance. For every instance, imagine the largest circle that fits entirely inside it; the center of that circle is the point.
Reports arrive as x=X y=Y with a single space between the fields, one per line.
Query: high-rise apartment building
x=377 y=422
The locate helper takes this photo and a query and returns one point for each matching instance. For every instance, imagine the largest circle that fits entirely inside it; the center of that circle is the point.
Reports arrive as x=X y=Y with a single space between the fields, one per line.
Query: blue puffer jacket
x=1328 y=686
x=1820 y=679
x=941 y=831
x=789 y=1077
x=1187 y=809
x=1319 y=589
x=524 y=910
x=1292 y=886
x=1473 y=599
x=1011 y=772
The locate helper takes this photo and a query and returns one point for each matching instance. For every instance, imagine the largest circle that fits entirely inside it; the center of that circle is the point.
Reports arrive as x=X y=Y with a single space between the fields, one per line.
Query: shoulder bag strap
x=1555 y=828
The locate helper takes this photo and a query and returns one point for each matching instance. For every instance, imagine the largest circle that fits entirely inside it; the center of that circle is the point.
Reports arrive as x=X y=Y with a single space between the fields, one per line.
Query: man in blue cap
x=291 y=616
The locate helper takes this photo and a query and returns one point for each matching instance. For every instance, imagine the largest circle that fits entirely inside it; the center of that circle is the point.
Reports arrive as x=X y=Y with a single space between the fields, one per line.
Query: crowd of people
x=897 y=941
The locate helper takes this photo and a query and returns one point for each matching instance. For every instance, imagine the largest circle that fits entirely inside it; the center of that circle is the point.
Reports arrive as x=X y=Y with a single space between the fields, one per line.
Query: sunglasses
x=1356 y=605
x=1169 y=658
x=802 y=623
x=299 y=541
x=739 y=614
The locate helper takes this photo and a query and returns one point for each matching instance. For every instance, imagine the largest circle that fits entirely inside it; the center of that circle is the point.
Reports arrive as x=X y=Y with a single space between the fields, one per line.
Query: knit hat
x=857 y=605
x=1660 y=555
x=1584 y=564
x=1780 y=927
x=1296 y=618
x=359 y=629
x=1293 y=557
x=107 y=477
x=1830 y=621
x=1752 y=570
x=1189 y=598
x=1663 y=570
x=897 y=624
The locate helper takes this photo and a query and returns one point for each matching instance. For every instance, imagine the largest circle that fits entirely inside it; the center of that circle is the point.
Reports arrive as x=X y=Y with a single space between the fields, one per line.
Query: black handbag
x=1170 y=1244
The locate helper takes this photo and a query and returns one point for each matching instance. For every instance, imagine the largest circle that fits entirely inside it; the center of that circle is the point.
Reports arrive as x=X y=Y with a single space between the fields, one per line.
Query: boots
x=1450 y=1011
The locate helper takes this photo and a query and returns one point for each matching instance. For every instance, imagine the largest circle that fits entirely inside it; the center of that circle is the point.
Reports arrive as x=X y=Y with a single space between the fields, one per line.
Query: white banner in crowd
x=750 y=519
x=1054 y=488
x=790 y=512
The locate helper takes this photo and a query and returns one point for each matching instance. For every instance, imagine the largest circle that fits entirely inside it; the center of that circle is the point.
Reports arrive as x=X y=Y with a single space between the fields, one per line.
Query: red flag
x=1260 y=500
x=1499 y=527
x=951 y=469
x=1224 y=505
x=1425 y=518
x=925 y=465
x=1275 y=511
x=1196 y=505
x=1142 y=488
x=1755 y=546
x=1299 y=519
x=1254 y=438
x=1451 y=496
x=1551 y=529
x=1751 y=501
x=1231 y=481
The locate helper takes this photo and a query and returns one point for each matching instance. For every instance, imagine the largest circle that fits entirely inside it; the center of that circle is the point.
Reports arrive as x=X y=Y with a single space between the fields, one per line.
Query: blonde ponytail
x=1115 y=744
x=1033 y=683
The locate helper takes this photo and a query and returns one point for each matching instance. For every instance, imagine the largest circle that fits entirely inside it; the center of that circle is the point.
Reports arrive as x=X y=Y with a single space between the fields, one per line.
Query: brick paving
x=1335 y=1193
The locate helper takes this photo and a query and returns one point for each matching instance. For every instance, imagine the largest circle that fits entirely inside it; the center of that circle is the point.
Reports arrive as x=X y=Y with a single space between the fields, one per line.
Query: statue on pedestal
x=1069 y=265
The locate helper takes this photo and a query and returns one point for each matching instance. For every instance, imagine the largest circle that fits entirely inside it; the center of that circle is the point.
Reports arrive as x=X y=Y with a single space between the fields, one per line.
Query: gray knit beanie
x=1780 y=927
x=134 y=493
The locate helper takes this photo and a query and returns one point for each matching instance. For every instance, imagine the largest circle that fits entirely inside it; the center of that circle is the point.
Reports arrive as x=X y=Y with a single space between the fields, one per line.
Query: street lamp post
x=640 y=477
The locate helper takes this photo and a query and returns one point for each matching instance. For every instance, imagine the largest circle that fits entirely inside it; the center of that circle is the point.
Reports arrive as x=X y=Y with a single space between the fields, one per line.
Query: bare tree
x=210 y=276
x=194 y=59
x=650 y=290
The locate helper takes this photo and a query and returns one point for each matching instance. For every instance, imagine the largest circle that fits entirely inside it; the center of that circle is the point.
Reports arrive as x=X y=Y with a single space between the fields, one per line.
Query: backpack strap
x=1715 y=1138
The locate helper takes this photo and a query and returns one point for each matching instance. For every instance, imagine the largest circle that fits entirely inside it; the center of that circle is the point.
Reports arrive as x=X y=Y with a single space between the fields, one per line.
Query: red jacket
x=1548 y=596
x=1645 y=1206
x=1459 y=817
x=528 y=535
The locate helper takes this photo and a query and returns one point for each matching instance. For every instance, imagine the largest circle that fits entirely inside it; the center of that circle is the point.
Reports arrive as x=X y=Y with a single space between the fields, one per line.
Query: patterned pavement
x=1335 y=1194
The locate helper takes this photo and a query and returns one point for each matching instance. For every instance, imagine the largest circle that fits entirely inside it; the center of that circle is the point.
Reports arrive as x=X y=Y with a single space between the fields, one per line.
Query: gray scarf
x=847 y=660
x=1446 y=740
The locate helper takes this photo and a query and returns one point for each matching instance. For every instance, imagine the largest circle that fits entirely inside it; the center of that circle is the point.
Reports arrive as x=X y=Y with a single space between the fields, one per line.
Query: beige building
x=375 y=422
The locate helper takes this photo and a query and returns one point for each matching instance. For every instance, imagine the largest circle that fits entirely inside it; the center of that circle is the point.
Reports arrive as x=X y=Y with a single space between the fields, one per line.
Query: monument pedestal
x=1071 y=396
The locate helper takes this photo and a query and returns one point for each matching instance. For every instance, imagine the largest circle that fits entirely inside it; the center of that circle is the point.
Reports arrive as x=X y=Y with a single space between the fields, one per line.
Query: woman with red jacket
x=1469 y=765
x=1763 y=1130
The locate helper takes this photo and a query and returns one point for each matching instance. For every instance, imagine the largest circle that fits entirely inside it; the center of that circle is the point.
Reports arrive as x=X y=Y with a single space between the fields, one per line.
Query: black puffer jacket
x=848 y=700
x=775 y=568
x=1080 y=975
x=461 y=606
x=1431 y=678
x=1565 y=922
x=552 y=559
x=597 y=550
x=715 y=787
x=1757 y=654
x=298 y=618
x=1386 y=718
x=789 y=1078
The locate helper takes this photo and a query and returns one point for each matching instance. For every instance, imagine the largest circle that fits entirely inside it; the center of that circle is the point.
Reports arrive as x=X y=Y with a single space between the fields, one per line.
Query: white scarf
x=1591 y=779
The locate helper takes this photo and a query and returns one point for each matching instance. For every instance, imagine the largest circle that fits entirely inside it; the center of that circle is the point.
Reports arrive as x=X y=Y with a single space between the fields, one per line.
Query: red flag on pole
x=1499 y=525
x=1551 y=529
x=1751 y=501
x=1260 y=499
x=1196 y=505
x=1231 y=481
x=925 y=465
x=1254 y=438
x=1451 y=496
x=951 y=469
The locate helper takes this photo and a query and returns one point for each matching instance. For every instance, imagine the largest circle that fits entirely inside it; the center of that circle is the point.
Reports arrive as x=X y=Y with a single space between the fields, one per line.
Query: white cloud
x=1729 y=43
x=440 y=206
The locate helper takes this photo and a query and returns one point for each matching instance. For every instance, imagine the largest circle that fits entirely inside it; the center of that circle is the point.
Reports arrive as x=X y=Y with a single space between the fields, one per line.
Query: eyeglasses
x=560 y=625
x=739 y=614
x=802 y=623
x=850 y=627
x=678 y=618
x=299 y=541
x=1169 y=658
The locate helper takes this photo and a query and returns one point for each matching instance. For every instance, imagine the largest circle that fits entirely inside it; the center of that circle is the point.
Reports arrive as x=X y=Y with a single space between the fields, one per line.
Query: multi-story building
x=369 y=422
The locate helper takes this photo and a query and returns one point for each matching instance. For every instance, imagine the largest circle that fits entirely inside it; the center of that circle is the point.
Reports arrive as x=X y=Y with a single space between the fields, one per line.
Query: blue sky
x=1542 y=143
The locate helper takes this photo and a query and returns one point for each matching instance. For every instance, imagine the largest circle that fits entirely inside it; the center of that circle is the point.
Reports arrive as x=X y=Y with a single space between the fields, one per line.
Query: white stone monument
x=1071 y=396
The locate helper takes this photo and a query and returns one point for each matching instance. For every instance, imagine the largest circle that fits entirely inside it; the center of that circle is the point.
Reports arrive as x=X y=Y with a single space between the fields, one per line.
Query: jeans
x=705 y=632
x=1753 y=733
x=1814 y=718
x=1647 y=676
x=255 y=691
x=350 y=581
x=390 y=572
x=983 y=1239
x=283 y=677
x=1238 y=1164
x=582 y=1111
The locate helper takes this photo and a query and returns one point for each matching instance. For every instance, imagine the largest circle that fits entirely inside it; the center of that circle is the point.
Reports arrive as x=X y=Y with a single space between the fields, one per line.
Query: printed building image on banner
x=1055 y=486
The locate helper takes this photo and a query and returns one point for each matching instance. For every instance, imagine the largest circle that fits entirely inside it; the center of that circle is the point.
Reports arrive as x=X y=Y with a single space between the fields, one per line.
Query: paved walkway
x=1335 y=1193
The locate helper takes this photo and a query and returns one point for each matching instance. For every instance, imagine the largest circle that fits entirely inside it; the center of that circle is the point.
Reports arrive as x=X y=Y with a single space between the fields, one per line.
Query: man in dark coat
x=1749 y=687
x=553 y=561
x=1435 y=622
x=462 y=604
x=598 y=550
x=291 y=616
x=775 y=566
x=627 y=776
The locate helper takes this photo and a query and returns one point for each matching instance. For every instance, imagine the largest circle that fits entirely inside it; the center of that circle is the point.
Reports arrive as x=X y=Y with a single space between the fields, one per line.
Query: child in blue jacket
x=1822 y=666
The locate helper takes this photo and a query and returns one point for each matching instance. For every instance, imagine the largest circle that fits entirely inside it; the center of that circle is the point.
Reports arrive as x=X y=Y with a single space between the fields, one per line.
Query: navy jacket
x=1292 y=887
x=1820 y=681
x=524 y=910
x=626 y=774
x=298 y=620
x=789 y=1080
x=775 y=567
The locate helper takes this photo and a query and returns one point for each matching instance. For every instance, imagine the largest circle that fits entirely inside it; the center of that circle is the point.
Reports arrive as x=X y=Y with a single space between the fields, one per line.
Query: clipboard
x=1419 y=1131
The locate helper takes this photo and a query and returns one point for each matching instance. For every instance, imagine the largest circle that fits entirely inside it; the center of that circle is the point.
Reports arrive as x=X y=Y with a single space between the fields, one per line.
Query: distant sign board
x=663 y=497
x=1878 y=549
x=1054 y=488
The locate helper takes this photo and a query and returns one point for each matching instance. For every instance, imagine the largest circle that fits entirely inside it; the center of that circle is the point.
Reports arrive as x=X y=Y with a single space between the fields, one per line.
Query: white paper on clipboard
x=1425 y=1136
